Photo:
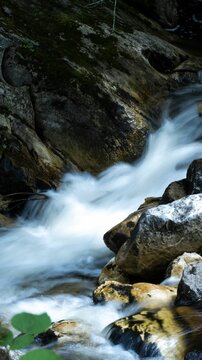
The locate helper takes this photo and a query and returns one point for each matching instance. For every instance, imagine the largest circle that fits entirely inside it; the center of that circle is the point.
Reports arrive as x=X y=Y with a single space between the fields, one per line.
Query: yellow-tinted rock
x=65 y=331
x=146 y=295
x=168 y=332
x=176 y=267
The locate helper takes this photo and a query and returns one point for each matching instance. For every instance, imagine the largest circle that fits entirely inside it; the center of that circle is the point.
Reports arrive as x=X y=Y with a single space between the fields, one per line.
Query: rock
x=167 y=332
x=14 y=72
x=162 y=233
x=64 y=331
x=194 y=177
x=112 y=272
x=194 y=355
x=175 y=191
x=4 y=354
x=5 y=221
x=166 y=11
x=190 y=287
x=146 y=295
x=85 y=99
x=26 y=164
x=120 y=233
x=113 y=291
x=177 y=266
x=200 y=108
x=150 y=202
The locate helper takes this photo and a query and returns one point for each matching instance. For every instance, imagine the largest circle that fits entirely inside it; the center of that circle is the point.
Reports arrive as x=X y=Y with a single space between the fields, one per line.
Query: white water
x=60 y=243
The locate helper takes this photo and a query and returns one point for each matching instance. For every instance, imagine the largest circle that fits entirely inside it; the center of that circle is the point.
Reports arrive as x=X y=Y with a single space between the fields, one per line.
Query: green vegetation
x=30 y=326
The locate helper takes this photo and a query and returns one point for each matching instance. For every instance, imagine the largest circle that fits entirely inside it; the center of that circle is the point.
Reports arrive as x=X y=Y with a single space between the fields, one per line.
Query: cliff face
x=76 y=95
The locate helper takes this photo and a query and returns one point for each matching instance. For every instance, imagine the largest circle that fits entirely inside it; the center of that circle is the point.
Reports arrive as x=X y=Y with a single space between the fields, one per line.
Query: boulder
x=194 y=177
x=167 y=332
x=112 y=272
x=190 y=287
x=162 y=233
x=149 y=296
x=175 y=191
x=64 y=331
x=120 y=233
x=177 y=266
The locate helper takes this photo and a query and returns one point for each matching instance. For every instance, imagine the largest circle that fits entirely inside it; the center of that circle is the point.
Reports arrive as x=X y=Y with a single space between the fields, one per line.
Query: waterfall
x=60 y=242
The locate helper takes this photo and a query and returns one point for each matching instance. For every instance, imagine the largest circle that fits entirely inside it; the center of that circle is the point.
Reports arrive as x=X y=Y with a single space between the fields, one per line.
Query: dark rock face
x=162 y=234
x=81 y=101
x=166 y=11
x=190 y=286
x=194 y=177
x=194 y=355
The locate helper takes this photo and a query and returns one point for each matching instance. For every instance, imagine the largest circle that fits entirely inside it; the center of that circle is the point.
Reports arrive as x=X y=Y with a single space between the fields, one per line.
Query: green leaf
x=30 y=323
x=6 y=336
x=41 y=355
x=22 y=341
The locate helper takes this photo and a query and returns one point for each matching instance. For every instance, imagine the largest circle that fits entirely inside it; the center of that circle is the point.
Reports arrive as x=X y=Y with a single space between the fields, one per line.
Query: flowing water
x=51 y=259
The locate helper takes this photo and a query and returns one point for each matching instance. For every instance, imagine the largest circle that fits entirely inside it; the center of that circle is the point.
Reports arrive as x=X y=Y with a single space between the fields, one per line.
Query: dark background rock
x=87 y=100
x=190 y=286
x=194 y=355
x=194 y=177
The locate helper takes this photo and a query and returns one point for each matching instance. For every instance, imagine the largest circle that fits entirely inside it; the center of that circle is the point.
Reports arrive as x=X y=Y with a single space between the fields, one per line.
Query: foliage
x=29 y=325
x=40 y=354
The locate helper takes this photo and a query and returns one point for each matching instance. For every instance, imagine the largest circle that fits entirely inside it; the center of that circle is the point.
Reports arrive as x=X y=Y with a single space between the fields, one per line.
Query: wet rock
x=166 y=11
x=150 y=202
x=175 y=191
x=26 y=163
x=120 y=233
x=162 y=233
x=190 y=287
x=194 y=177
x=4 y=355
x=168 y=332
x=5 y=221
x=111 y=272
x=65 y=331
x=194 y=355
x=14 y=72
x=177 y=266
x=89 y=104
x=149 y=296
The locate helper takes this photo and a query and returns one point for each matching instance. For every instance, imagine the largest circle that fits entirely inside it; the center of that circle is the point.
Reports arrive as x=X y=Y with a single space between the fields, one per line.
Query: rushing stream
x=51 y=259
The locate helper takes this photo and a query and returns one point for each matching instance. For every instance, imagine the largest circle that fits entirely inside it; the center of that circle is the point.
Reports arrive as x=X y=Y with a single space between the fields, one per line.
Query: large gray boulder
x=161 y=234
x=190 y=286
